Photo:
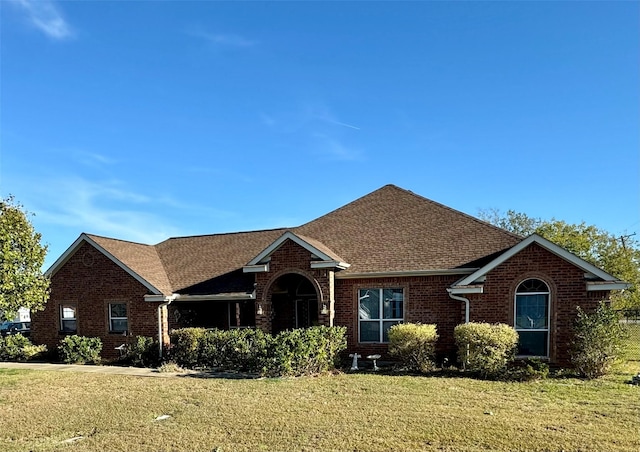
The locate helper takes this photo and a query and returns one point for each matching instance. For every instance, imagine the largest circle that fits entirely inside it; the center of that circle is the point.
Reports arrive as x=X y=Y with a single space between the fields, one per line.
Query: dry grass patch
x=39 y=410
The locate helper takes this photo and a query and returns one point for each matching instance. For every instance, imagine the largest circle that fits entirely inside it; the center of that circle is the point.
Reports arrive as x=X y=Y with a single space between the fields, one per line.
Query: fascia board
x=405 y=273
x=280 y=241
x=618 y=285
x=549 y=246
x=85 y=238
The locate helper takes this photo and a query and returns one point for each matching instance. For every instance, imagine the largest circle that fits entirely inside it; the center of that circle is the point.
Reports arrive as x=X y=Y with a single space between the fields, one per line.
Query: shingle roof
x=390 y=229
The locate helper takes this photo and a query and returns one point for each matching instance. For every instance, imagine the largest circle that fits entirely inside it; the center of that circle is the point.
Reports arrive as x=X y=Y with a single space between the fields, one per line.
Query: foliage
x=295 y=352
x=414 y=345
x=598 y=341
x=142 y=352
x=80 y=349
x=618 y=256
x=19 y=348
x=486 y=348
x=22 y=283
x=528 y=370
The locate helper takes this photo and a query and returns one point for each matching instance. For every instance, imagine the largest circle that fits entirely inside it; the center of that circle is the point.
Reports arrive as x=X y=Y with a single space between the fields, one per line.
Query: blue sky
x=150 y=119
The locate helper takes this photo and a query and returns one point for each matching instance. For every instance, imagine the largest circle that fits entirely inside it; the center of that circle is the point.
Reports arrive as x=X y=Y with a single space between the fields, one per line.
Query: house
x=391 y=256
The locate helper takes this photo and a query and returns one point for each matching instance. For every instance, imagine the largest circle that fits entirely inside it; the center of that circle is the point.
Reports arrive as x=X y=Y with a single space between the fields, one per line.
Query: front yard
x=358 y=412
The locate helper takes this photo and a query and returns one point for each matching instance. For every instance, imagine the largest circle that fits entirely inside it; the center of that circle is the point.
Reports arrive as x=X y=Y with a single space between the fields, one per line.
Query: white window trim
x=547 y=329
x=380 y=318
x=63 y=318
x=111 y=330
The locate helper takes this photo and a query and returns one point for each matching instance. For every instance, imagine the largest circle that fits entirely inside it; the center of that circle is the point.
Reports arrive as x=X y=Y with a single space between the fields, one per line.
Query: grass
x=356 y=412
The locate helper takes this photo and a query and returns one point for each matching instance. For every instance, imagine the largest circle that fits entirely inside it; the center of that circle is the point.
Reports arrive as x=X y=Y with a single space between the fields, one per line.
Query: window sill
x=67 y=333
x=118 y=333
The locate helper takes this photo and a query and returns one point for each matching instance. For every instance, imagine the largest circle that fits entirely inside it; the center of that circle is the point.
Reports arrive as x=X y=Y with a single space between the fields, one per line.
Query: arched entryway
x=294 y=303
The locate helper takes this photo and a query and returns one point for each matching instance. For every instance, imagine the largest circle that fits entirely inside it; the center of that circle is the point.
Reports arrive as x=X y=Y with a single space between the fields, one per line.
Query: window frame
x=546 y=330
x=111 y=318
x=381 y=319
x=64 y=319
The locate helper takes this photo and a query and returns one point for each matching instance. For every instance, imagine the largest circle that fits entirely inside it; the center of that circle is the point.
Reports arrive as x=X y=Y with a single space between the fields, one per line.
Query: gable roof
x=393 y=230
x=590 y=269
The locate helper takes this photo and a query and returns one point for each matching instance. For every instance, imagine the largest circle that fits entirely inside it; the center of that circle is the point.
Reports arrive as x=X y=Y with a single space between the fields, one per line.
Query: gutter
x=463 y=299
x=167 y=302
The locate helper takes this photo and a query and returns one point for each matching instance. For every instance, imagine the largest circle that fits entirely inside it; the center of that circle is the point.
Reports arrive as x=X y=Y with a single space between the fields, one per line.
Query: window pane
x=118 y=310
x=118 y=324
x=532 y=343
x=392 y=304
x=68 y=312
x=69 y=326
x=531 y=311
x=385 y=330
x=369 y=331
x=369 y=306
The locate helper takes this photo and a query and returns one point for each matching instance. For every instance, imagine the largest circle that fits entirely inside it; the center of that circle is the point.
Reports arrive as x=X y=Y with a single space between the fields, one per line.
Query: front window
x=68 y=322
x=532 y=318
x=379 y=310
x=242 y=314
x=118 y=317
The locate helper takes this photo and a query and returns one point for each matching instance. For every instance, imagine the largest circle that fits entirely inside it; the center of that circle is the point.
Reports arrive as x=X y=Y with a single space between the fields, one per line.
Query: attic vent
x=88 y=259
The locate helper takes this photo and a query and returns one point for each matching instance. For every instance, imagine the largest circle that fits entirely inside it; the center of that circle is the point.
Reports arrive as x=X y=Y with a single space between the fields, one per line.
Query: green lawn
x=39 y=410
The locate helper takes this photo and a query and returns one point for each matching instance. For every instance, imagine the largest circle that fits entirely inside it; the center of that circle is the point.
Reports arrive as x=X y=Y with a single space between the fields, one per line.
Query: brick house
x=391 y=256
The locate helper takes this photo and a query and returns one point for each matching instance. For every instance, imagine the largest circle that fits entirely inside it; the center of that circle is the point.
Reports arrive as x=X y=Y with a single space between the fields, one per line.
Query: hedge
x=486 y=348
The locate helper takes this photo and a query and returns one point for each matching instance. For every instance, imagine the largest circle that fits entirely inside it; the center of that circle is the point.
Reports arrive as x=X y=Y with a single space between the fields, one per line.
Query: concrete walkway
x=113 y=370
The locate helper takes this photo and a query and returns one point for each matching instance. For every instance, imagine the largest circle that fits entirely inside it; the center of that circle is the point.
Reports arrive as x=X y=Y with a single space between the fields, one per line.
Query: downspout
x=167 y=302
x=466 y=304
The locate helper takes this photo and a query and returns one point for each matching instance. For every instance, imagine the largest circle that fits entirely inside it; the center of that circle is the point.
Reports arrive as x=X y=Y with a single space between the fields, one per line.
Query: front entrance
x=294 y=303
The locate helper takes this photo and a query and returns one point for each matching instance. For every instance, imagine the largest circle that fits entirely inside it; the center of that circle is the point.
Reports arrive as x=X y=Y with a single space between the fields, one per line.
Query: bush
x=528 y=370
x=80 y=349
x=142 y=352
x=486 y=348
x=598 y=341
x=305 y=351
x=295 y=352
x=19 y=348
x=414 y=345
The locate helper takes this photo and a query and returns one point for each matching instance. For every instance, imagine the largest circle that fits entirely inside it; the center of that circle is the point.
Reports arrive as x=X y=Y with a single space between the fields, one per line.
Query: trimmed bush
x=598 y=341
x=486 y=348
x=142 y=352
x=80 y=349
x=19 y=348
x=295 y=352
x=414 y=345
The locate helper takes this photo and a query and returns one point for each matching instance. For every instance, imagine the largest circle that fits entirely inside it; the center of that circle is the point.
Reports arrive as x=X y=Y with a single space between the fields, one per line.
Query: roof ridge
x=115 y=239
x=218 y=234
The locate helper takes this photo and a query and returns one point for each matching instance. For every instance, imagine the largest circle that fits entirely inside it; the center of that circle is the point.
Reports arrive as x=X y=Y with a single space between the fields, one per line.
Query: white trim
x=330 y=264
x=259 y=268
x=546 y=244
x=594 y=286
x=239 y=296
x=465 y=289
x=533 y=330
x=403 y=273
x=268 y=251
x=85 y=238
x=126 y=317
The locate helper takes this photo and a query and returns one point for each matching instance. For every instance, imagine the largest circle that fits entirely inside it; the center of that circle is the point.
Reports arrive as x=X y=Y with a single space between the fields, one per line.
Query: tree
x=22 y=283
x=618 y=256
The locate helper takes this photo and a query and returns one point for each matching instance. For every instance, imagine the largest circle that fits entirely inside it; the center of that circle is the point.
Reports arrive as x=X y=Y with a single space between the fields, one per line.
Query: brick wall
x=566 y=283
x=90 y=281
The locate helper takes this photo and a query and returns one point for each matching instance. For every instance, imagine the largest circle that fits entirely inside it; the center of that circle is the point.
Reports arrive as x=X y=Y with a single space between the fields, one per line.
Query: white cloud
x=45 y=15
x=223 y=39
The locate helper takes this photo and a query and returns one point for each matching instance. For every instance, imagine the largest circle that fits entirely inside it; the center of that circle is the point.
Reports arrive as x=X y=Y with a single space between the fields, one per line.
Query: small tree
x=598 y=341
x=22 y=283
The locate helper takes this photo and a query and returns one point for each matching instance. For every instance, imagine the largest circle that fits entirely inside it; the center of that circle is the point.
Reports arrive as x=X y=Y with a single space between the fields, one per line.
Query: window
x=532 y=318
x=379 y=310
x=68 y=322
x=242 y=314
x=118 y=317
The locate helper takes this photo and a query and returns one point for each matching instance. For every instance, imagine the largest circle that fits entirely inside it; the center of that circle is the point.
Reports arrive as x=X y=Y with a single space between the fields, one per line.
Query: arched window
x=532 y=318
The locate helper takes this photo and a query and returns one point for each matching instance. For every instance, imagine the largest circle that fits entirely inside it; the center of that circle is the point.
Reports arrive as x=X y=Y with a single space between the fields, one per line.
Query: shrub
x=414 y=345
x=598 y=341
x=185 y=346
x=486 y=348
x=528 y=370
x=19 y=348
x=295 y=352
x=142 y=352
x=80 y=349
x=305 y=351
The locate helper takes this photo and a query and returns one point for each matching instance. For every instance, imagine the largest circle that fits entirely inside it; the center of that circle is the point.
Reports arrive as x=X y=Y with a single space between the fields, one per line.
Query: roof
x=390 y=230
